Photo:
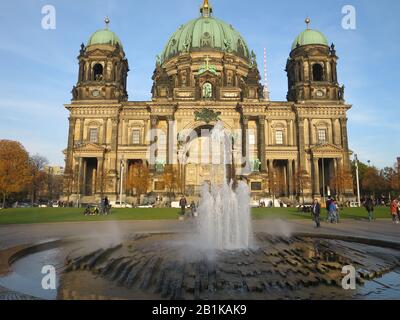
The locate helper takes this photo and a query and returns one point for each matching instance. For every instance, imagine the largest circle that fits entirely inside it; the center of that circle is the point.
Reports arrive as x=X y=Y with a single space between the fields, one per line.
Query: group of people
x=183 y=205
x=395 y=211
x=333 y=210
x=103 y=209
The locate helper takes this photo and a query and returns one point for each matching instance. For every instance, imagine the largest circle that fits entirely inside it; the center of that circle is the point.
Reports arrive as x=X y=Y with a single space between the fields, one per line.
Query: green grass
x=44 y=215
x=292 y=213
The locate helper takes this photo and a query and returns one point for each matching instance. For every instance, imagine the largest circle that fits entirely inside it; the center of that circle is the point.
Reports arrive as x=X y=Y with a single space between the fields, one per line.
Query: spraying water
x=224 y=210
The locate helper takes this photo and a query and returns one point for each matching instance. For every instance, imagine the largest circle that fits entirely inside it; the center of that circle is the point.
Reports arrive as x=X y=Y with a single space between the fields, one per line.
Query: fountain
x=224 y=210
x=268 y=264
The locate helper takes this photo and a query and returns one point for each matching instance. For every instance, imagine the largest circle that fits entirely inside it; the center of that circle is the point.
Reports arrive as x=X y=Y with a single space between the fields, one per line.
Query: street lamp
x=357 y=180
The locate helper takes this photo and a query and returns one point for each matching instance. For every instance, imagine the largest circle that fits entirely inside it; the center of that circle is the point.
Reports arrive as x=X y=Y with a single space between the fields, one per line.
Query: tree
x=138 y=179
x=172 y=179
x=302 y=182
x=37 y=165
x=373 y=182
x=342 y=180
x=68 y=182
x=14 y=168
x=276 y=183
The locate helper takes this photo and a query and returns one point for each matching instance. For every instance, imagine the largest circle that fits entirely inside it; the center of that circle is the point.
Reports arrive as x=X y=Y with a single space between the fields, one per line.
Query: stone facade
x=287 y=149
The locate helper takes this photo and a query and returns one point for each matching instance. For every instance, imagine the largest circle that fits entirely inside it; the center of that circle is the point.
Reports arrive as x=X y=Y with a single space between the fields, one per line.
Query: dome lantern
x=105 y=36
x=206 y=10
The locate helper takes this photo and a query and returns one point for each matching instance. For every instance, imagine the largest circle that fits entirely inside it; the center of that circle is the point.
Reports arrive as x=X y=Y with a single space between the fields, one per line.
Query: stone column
x=345 y=143
x=80 y=176
x=153 y=141
x=114 y=134
x=261 y=143
x=302 y=152
x=317 y=190
x=245 y=142
x=105 y=123
x=71 y=143
x=270 y=175
x=170 y=139
x=310 y=132
x=84 y=177
x=290 y=176
x=81 y=128
x=100 y=175
x=114 y=144
x=296 y=173
x=126 y=136
x=291 y=135
x=335 y=170
x=71 y=132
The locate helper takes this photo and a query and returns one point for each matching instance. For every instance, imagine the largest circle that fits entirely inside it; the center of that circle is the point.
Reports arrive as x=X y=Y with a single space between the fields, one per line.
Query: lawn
x=43 y=215
x=292 y=213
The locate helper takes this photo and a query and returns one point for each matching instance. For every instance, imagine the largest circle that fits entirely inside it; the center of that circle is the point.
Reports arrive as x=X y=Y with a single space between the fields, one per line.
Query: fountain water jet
x=224 y=210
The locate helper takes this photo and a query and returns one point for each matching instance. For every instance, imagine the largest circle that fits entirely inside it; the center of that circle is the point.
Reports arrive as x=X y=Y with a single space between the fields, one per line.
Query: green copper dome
x=205 y=33
x=310 y=36
x=104 y=36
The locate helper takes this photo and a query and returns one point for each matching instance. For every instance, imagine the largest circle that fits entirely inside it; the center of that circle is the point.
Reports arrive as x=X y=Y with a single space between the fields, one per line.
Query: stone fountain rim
x=15 y=253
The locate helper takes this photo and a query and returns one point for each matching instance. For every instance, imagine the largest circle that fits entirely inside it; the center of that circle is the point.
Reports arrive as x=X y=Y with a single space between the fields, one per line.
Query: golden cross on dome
x=207 y=60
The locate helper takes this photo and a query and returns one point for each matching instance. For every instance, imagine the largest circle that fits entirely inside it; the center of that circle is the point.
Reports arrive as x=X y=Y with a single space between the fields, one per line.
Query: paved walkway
x=12 y=235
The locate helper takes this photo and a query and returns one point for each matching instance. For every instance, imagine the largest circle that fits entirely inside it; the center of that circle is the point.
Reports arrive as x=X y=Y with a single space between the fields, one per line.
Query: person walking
x=328 y=205
x=331 y=212
x=106 y=206
x=398 y=210
x=192 y=208
x=337 y=211
x=394 y=210
x=316 y=213
x=182 y=204
x=369 y=205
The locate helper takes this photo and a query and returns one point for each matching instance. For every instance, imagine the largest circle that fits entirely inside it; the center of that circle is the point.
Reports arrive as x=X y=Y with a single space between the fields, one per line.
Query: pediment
x=326 y=148
x=89 y=147
x=208 y=73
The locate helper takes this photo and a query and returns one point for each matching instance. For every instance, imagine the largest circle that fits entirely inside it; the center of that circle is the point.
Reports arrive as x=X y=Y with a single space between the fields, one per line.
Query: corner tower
x=311 y=69
x=103 y=68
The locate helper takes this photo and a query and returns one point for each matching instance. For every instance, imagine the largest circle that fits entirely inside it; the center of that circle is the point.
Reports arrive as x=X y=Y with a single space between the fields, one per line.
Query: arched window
x=207 y=90
x=98 y=72
x=318 y=72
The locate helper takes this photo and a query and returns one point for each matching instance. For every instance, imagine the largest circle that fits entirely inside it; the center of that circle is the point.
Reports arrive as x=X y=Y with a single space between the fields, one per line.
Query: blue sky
x=39 y=67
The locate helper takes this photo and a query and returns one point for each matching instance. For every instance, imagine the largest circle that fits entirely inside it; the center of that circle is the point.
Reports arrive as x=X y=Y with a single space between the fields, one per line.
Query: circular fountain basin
x=171 y=266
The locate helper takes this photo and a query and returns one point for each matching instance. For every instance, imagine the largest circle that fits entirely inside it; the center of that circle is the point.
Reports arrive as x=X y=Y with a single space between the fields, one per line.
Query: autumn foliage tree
x=342 y=180
x=39 y=177
x=172 y=179
x=138 y=179
x=14 y=168
x=302 y=182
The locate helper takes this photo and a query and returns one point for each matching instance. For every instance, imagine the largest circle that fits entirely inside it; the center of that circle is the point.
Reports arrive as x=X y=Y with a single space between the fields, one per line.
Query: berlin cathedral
x=207 y=74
